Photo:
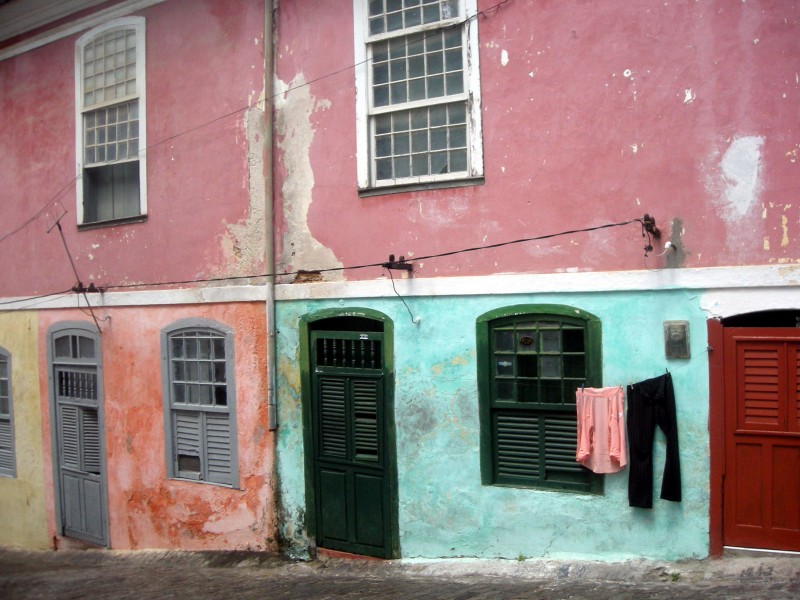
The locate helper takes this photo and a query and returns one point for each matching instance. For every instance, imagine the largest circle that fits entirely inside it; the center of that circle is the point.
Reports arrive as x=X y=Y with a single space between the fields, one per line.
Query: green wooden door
x=351 y=471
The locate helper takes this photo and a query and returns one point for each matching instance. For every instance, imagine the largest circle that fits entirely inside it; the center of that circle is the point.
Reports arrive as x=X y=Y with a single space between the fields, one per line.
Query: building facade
x=296 y=275
x=510 y=153
x=133 y=347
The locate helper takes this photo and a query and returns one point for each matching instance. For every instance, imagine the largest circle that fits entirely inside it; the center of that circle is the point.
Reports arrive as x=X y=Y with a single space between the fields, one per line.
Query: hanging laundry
x=601 y=429
x=650 y=403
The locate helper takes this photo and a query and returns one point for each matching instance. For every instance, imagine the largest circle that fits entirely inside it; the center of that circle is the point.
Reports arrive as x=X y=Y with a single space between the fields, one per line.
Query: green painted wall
x=444 y=511
x=22 y=499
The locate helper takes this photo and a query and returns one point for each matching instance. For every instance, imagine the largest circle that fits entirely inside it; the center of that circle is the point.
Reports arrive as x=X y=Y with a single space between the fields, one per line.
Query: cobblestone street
x=153 y=574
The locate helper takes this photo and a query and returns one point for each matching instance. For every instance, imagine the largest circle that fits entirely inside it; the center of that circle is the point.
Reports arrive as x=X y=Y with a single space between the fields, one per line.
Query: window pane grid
x=109 y=67
x=198 y=369
x=538 y=362
x=418 y=67
x=111 y=133
x=420 y=142
x=392 y=15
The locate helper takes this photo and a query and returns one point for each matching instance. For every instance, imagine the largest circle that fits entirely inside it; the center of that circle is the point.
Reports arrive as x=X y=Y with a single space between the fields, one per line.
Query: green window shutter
x=218 y=447
x=517 y=446
x=365 y=417
x=560 y=441
x=333 y=408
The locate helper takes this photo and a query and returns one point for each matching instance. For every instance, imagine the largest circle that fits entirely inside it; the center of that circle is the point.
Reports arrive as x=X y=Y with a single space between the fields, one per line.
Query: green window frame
x=531 y=359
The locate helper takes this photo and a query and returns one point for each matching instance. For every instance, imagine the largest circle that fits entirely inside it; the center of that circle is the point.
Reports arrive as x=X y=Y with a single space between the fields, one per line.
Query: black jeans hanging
x=650 y=403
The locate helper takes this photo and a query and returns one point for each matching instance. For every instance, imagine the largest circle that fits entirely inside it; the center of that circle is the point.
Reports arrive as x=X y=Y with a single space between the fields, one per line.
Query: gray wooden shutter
x=91 y=440
x=6 y=447
x=69 y=441
x=218 y=447
x=187 y=444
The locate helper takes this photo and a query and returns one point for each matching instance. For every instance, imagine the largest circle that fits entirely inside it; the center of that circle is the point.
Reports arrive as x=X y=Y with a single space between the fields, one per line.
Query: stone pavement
x=104 y=574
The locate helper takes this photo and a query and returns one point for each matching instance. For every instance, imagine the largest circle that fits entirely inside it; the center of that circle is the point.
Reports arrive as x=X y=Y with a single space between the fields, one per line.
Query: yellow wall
x=22 y=504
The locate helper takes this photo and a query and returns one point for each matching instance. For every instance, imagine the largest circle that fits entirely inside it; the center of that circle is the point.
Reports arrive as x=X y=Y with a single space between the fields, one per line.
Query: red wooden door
x=761 y=495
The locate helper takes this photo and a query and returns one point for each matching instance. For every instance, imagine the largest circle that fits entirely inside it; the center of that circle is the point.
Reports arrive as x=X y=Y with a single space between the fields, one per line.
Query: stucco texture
x=22 y=498
x=146 y=509
x=444 y=510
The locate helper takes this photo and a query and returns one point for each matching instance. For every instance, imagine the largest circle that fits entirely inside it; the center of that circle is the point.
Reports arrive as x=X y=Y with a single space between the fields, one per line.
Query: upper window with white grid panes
x=417 y=77
x=110 y=131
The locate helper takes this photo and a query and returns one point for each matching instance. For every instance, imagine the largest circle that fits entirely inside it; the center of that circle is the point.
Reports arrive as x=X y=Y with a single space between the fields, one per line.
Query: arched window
x=199 y=402
x=531 y=360
x=110 y=103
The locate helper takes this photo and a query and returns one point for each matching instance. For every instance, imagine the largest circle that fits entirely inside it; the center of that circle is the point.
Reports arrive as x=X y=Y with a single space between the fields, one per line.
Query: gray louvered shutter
x=6 y=447
x=517 y=445
x=91 y=440
x=333 y=429
x=218 y=447
x=365 y=418
x=187 y=444
x=70 y=450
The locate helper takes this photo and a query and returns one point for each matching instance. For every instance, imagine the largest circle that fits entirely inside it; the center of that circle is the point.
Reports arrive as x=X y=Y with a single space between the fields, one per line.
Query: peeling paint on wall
x=243 y=243
x=294 y=106
x=740 y=173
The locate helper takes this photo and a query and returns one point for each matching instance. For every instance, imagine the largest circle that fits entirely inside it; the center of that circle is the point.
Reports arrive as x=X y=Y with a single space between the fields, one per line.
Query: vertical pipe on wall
x=269 y=217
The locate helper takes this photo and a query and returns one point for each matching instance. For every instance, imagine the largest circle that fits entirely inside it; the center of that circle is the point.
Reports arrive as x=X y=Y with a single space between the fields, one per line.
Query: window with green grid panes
x=421 y=118
x=532 y=359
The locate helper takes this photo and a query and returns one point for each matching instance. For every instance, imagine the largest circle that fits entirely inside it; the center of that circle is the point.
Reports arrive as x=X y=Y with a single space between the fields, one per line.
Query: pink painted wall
x=593 y=112
x=147 y=510
x=204 y=66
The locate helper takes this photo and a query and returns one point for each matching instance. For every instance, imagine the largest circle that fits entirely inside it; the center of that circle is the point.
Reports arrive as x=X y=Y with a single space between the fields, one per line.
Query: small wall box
x=676 y=339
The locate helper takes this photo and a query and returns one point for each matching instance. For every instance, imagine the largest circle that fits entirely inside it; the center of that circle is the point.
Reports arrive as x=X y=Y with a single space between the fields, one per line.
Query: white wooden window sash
x=418 y=102
x=110 y=121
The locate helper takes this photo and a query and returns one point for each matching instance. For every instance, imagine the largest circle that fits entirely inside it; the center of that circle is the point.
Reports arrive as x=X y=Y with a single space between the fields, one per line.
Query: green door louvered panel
x=349 y=423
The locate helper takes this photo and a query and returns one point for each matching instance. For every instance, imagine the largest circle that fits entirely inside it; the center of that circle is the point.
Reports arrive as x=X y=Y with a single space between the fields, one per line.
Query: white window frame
x=5 y=357
x=367 y=180
x=138 y=25
x=171 y=407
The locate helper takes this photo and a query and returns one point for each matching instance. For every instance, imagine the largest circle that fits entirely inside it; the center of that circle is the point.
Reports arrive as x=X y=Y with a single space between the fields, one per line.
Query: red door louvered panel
x=761 y=496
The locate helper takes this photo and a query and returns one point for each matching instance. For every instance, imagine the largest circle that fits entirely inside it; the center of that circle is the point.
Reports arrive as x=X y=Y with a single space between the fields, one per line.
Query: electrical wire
x=261 y=276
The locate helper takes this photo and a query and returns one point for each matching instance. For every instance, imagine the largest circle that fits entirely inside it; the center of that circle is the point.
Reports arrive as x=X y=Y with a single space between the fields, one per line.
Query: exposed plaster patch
x=785 y=229
x=294 y=106
x=243 y=243
x=740 y=177
x=688 y=96
x=766 y=243
x=504 y=57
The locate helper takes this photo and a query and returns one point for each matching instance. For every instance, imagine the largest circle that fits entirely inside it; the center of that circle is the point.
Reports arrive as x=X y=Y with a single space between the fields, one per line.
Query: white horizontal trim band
x=723 y=284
